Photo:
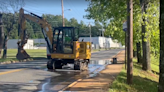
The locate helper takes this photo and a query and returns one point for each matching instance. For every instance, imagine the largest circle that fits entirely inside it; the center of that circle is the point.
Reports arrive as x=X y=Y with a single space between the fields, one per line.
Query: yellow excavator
x=62 y=42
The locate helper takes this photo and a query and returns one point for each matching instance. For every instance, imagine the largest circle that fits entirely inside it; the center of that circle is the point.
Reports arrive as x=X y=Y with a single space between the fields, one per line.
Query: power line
x=34 y=9
x=72 y=7
x=75 y=8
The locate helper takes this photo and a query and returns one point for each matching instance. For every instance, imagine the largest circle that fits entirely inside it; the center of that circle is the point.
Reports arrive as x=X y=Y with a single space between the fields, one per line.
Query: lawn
x=142 y=81
x=34 y=53
x=155 y=64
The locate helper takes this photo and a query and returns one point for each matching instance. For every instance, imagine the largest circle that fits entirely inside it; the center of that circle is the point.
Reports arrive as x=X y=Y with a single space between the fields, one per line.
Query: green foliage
x=115 y=11
x=9 y=21
x=142 y=81
x=29 y=30
x=34 y=30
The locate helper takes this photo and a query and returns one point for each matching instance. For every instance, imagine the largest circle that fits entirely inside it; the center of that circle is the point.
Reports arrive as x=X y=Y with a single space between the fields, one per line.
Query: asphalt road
x=34 y=77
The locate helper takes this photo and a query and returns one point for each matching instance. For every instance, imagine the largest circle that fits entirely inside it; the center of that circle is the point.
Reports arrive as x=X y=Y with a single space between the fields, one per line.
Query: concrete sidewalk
x=102 y=81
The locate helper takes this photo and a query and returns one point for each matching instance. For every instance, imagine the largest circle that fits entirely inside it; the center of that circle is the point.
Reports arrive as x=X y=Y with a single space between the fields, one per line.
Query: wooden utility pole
x=130 y=41
x=62 y=13
x=161 y=68
x=90 y=31
x=125 y=30
x=1 y=34
x=125 y=50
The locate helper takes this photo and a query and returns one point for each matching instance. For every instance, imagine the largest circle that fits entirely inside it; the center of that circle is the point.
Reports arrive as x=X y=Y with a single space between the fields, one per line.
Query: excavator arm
x=46 y=30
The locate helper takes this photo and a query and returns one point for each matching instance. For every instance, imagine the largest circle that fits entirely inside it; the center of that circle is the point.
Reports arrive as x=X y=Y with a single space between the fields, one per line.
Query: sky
x=77 y=7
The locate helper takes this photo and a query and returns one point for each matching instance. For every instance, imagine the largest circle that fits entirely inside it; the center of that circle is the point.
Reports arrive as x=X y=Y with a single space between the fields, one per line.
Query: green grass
x=142 y=81
x=34 y=53
x=154 y=64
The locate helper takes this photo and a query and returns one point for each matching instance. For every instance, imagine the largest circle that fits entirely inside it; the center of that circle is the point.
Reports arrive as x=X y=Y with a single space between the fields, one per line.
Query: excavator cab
x=63 y=38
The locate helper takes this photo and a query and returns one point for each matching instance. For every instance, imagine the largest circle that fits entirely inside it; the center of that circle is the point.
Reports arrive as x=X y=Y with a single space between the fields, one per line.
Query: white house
x=12 y=44
x=102 y=41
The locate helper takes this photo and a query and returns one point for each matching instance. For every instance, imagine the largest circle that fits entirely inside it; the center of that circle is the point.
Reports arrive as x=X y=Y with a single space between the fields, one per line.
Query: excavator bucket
x=22 y=54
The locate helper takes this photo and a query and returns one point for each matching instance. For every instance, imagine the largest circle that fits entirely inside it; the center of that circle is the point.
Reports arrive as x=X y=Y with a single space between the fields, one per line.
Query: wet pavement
x=36 y=78
x=55 y=84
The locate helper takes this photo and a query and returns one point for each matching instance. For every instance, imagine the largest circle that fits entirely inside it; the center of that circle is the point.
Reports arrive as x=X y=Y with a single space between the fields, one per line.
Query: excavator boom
x=46 y=30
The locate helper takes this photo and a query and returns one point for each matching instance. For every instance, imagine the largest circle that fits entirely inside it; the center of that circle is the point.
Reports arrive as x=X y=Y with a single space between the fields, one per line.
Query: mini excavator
x=62 y=42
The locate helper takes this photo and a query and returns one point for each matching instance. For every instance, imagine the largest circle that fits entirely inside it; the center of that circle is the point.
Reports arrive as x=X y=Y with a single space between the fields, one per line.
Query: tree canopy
x=112 y=14
x=34 y=30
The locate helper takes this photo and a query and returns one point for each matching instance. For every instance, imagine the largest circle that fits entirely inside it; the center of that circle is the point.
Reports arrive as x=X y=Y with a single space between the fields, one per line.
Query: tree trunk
x=139 y=58
x=145 y=44
x=5 y=47
x=161 y=68
x=134 y=53
x=1 y=34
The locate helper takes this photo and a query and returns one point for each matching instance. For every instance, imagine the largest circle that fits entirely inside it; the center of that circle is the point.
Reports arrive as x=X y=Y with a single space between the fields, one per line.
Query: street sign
x=125 y=26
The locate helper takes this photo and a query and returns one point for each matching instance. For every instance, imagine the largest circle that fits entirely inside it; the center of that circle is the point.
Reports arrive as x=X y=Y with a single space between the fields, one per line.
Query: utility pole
x=103 y=37
x=125 y=30
x=1 y=34
x=125 y=50
x=102 y=32
x=62 y=13
x=90 y=31
x=130 y=41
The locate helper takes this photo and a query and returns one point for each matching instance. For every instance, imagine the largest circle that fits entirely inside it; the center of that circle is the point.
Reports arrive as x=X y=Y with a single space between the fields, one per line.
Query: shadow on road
x=36 y=64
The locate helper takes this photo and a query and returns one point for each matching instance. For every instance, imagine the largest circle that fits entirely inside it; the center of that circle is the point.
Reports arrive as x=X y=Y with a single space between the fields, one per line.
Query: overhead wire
x=72 y=7
x=29 y=9
x=70 y=3
x=32 y=6
x=4 y=2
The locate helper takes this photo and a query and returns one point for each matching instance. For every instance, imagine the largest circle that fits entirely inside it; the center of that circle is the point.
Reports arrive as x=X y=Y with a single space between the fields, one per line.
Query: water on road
x=34 y=77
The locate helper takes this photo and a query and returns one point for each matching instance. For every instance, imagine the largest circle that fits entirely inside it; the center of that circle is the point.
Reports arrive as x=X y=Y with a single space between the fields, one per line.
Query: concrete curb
x=15 y=61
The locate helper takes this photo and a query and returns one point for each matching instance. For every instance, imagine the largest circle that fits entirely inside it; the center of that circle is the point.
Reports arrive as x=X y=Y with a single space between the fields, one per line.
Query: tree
x=145 y=38
x=161 y=75
x=139 y=57
x=3 y=8
x=10 y=20
x=96 y=30
x=30 y=30
x=82 y=28
x=105 y=11
x=73 y=22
